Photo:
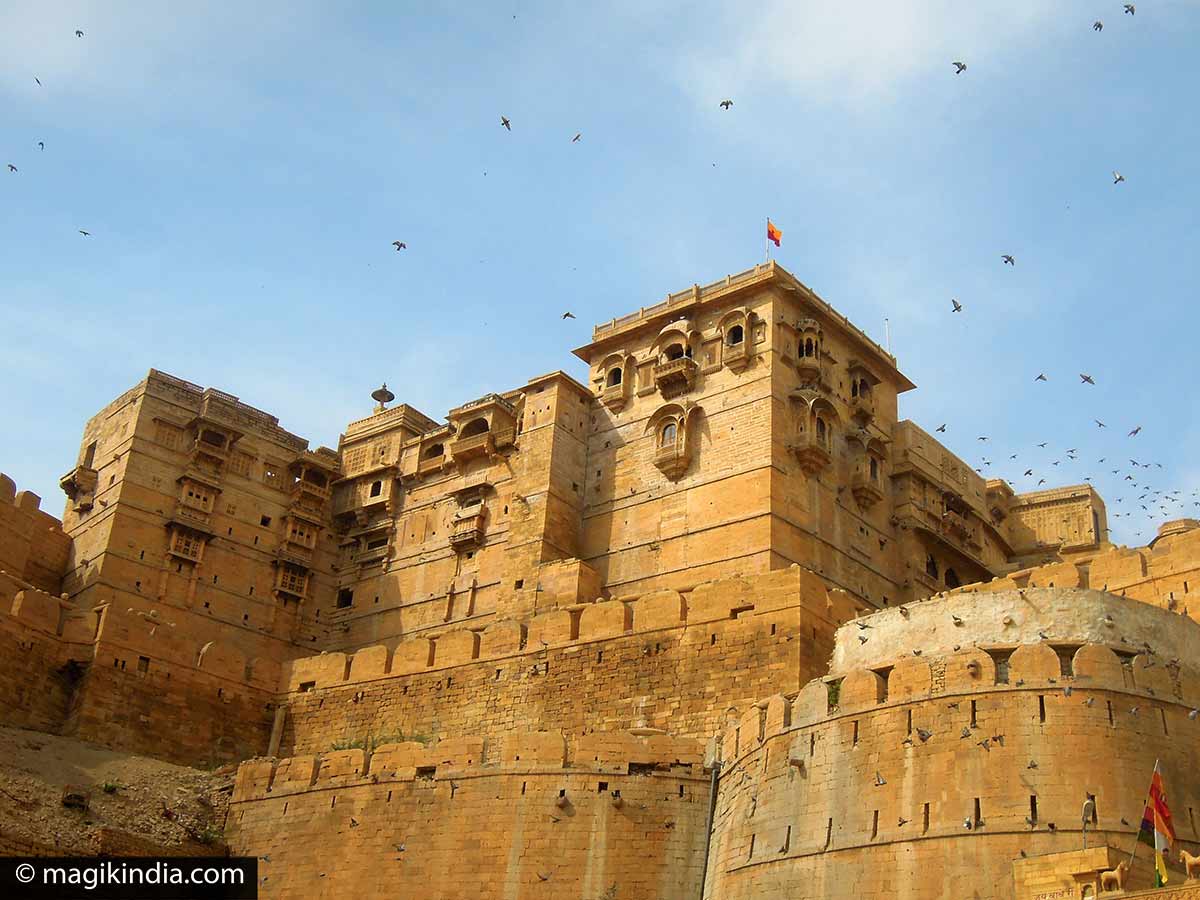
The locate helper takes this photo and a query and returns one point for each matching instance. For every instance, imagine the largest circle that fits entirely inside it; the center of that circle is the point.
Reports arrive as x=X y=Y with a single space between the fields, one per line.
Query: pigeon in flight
x=959 y=67
x=38 y=80
x=1117 y=177
x=85 y=233
x=725 y=104
x=78 y=33
x=1043 y=443
x=1041 y=377
x=504 y=121
x=568 y=315
x=1028 y=472
x=1086 y=379
x=1130 y=9
x=11 y=167
x=1101 y=424
x=1135 y=431
x=1008 y=260
x=957 y=306
x=982 y=438
x=941 y=429
x=1097 y=25
x=578 y=135
x=399 y=245
x=41 y=145
x=1041 y=481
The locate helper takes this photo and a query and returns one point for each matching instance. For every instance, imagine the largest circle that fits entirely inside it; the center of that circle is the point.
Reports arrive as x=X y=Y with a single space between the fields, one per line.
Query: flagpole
x=1133 y=852
x=767 y=242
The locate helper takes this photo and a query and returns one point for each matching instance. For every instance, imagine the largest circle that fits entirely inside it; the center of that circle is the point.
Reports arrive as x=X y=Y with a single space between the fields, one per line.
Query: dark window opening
x=736 y=335
x=614 y=377
x=376 y=488
x=931 y=566
x=265 y=521
x=433 y=451
x=952 y=579
x=345 y=598
x=474 y=427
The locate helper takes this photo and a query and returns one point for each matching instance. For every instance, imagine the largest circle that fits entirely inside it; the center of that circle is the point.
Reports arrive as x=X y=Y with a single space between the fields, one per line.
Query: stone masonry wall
x=624 y=819
x=664 y=660
x=931 y=775
x=33 y=546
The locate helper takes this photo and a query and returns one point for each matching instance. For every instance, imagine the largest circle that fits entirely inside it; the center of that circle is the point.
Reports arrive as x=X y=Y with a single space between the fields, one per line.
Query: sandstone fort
x=716 y=623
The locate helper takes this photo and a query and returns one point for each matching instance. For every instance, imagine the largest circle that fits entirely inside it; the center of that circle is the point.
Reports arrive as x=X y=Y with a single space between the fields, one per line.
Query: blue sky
x=243 y=169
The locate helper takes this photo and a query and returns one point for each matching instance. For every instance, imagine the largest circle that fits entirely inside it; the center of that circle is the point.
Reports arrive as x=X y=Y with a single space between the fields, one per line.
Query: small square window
x=265 y=521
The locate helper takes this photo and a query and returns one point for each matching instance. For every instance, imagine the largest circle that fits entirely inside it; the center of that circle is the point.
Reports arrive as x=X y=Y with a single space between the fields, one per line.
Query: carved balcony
x=193 y=516
x=431 y=465
x=867 y=491
x=736 y=356
x=467 y=532
x=477 y=445
x=291 y=579
x=676 y=376
x=862 y=408
x=672 y=460
x=80 y=486
x=812 y=455
x=306 y=492
x=613 y=396
x=958 y=529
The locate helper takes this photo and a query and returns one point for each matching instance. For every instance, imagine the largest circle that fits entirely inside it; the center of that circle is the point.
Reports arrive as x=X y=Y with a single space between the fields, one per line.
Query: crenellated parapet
x=968 y=726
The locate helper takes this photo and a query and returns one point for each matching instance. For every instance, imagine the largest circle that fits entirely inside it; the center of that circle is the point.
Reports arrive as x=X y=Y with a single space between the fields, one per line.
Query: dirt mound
x=130 y=805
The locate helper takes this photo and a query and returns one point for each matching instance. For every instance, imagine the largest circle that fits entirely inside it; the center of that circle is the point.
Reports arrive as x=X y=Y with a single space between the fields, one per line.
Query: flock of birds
x=1149 y=499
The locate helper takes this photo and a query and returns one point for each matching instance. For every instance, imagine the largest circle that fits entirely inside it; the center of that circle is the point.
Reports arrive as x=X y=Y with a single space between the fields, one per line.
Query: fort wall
x=664 y=660
x=33 y=546
x=926 y=776
x=622 y=817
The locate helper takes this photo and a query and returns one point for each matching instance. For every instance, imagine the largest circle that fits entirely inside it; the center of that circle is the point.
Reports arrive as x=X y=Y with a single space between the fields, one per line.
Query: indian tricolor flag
x=1157 y=830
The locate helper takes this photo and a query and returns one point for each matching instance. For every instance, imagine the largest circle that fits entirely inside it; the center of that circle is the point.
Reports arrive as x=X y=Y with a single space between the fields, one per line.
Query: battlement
x=33 y=545
x=712 y=602
x=901 y=758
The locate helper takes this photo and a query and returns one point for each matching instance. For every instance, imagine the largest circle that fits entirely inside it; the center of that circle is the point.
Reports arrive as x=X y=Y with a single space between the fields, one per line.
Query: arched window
x=675 y=351
x=474 y=427
x=952 y=580
x=931 y=566
x=376 y=488
x=854 y=389
x=864 y=388
x=433 y=451
x=614 y=376
x=667 y=434
x=809 y=347
x=736 y=335
x=822 y=432
x=874 y=469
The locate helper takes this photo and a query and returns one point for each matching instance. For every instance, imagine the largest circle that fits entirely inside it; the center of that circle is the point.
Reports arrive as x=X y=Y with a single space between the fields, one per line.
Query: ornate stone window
x=614 y=377
x=613 y=388
x=867 y=481
x=816 y=423
x=673 y=446
x=810 y=357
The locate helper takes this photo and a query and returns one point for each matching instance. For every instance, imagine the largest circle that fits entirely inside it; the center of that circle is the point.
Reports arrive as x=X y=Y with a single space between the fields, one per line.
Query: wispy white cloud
x=849 y=51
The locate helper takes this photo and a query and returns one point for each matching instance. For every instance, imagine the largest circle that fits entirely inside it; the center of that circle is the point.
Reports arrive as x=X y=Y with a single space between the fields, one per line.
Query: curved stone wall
x=925 y=776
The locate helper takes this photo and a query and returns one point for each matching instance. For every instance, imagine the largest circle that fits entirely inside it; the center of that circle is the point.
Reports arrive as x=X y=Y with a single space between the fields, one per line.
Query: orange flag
x=773 y=233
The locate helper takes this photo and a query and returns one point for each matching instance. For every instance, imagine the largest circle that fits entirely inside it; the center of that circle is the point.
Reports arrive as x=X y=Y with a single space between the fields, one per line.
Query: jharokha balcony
x=466 y=448
x=812 y=454
x=866 y=490
x=675 y=376
x=467 y=532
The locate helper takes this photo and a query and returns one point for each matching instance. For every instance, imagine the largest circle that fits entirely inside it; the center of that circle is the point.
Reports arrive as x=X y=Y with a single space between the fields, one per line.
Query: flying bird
x=578 y=135
x=1008 y=260
x=879 y=780
x=1043 y=444
x=1097 y=25
x=981 y=438
x=1117 y=177
x=504 y=121
x=1135 y=431
x=78 y=33
x=85 y=233
x=941 y=429
x=399 y=245
x=1099 y=423
x=38 y=80
x=41 y=145
x=1028 y=472
x=1041 y=377
x=568 y=315
x=725 y=104
x=1041 y=481
x=1130 y=9
x=11 y=167
x=956 y=304
x=1086 y=379
x=959 y=67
